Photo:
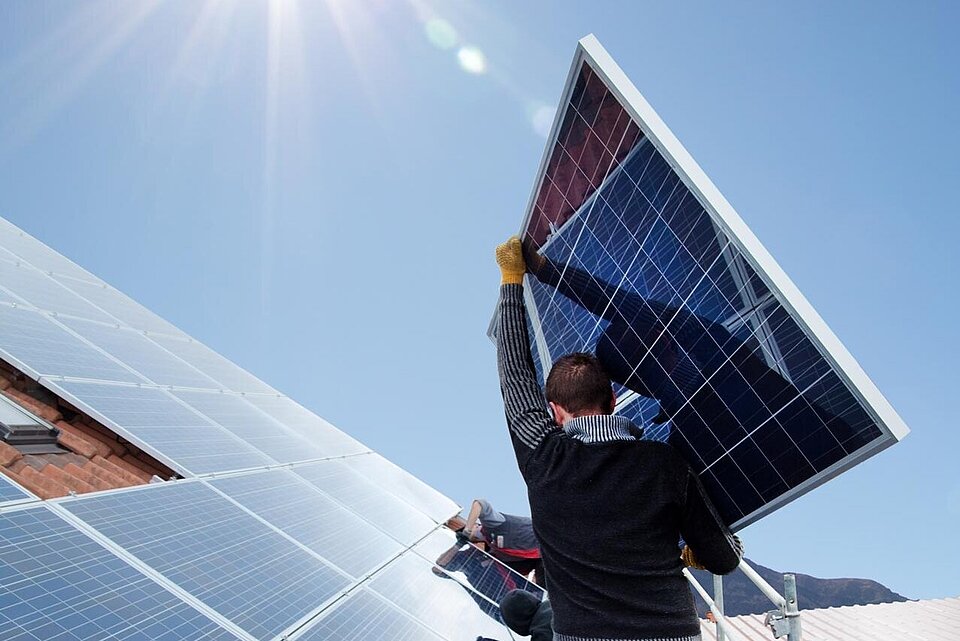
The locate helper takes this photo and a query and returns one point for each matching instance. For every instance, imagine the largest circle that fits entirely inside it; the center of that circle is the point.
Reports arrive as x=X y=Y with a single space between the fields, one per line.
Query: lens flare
x=472 y=60
x=441 y=33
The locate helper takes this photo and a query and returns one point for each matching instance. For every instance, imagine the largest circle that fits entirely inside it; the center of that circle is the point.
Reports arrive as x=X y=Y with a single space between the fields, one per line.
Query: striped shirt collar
x=599 y=428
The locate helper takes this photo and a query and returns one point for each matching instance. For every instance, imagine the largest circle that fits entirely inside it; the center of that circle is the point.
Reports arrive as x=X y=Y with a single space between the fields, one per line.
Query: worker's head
x=578 y=386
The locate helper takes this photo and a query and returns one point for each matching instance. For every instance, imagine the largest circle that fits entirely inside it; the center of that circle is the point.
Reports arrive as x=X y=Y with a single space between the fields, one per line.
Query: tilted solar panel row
x=337 y=543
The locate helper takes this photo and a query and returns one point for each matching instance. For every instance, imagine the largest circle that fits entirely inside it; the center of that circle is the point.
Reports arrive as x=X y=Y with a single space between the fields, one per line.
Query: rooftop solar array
x=634 y=255
x=58 y=583
x=283 y=527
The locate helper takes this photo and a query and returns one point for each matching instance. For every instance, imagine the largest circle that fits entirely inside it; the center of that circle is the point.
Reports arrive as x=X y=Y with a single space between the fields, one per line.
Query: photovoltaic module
x=633 y=254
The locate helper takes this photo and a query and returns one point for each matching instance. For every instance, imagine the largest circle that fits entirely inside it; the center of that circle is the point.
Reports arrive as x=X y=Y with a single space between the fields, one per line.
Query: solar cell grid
x=229 y=560
x=366 y=616
x=141 y=354
x=244 y=420
x=154 y=417
x=118 y=305
x=213 y=365
x=38 y=344
x=296 y=507
x=43 y=292
x=9 y=491
x=317 y=431
x=628 y=263
x=403 y=485
x=364 y=497
x=58 y=583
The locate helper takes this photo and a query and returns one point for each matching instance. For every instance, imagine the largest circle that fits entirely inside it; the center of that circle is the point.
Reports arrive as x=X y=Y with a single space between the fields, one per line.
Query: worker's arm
x=526 y=409
x=710 y=544
x=472 y=517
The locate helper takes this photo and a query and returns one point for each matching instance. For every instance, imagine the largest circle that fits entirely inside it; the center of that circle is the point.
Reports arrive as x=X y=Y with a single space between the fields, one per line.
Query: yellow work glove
x=510 y=261
x=689 y=559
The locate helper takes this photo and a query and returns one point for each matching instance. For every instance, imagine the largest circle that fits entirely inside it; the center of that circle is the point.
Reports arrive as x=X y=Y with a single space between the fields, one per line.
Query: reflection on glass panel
x=701 y=353
x=364 y=615
x=437 y=600
x=140 y=353
x=213 y=365
x=322 y=434
x=323 y=525
x=118 y=305
x=32 y=251
x=353 y=490
x=41 y=291
x=242 y=419
x=46 y=348
x=214 y=550
x=404 y=485
x=472 y=567
x=58 y=583
x=156 y=418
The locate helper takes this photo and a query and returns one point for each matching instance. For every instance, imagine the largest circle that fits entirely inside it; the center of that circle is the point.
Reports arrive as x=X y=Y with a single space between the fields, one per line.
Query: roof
x=931 y=620
x=93 y=457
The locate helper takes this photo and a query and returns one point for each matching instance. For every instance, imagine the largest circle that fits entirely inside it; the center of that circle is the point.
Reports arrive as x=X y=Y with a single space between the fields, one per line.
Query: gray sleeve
x=489 y=517
x=526 y=409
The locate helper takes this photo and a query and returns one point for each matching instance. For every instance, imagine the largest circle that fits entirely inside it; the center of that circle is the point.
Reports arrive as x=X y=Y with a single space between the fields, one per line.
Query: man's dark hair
x=577 y=383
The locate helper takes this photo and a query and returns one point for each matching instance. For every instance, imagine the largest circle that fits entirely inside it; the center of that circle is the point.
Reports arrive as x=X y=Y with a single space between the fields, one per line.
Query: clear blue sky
x=314 y=189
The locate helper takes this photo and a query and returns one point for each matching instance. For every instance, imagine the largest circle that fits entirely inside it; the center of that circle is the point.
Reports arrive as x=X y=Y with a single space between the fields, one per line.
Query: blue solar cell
x=199 y=540
x=156 y=418
x=364 y=497
x=364 y=615
x=312 y=518
x=58 y=583
x=9 y=491
x=628 y=263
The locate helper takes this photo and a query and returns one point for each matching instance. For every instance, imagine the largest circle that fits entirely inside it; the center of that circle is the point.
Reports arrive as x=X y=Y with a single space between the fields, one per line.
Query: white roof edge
x=710 y=197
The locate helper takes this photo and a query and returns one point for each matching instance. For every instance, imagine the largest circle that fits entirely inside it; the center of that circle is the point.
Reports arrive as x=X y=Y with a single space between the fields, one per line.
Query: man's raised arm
x=523 y=401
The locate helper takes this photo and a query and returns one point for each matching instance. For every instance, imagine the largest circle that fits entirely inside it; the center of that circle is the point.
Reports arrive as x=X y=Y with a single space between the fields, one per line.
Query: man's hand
x=689 y=559
x=511 y=263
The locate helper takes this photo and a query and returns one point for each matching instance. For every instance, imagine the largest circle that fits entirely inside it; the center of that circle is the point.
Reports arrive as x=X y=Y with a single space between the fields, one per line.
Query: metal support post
x=718 y=602
x=792 y=609
x=729 y=633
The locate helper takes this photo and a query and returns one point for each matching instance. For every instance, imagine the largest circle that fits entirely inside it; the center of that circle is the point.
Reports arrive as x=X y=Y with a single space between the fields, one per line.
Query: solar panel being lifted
x=634 y=254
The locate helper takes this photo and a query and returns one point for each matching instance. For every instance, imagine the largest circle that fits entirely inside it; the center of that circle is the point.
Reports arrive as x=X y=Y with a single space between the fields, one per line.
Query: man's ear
x=556 y=412
x=613 y=400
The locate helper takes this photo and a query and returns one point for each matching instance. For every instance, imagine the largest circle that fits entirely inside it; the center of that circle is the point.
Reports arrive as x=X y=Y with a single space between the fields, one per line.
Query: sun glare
x=472 y=60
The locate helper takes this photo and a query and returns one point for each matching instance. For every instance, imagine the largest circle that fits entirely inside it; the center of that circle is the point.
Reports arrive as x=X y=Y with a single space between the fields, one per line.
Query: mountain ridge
x=741 y=596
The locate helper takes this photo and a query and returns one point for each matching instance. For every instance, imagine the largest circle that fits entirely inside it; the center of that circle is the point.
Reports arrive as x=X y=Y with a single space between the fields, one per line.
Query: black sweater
x=608 y=514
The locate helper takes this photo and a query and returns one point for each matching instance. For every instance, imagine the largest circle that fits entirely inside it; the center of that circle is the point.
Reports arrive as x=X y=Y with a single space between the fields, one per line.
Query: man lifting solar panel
x=634 y=255
x=634 y=266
